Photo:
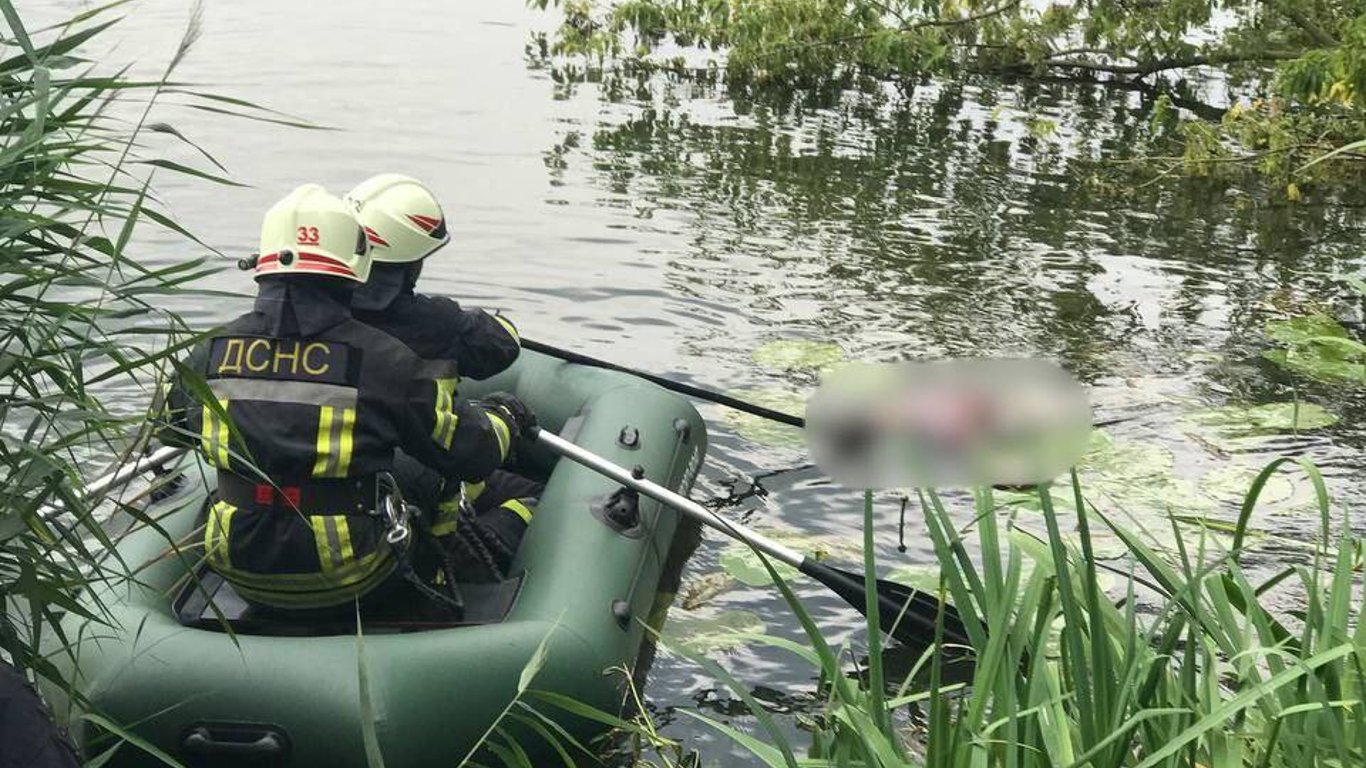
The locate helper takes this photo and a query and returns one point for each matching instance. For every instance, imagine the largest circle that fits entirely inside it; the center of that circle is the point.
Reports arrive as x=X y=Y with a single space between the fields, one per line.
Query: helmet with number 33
x=401 y=217
x=312 y=232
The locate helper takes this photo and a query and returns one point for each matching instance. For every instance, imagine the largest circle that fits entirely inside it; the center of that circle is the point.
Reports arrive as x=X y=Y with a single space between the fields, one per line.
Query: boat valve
x=622 y=509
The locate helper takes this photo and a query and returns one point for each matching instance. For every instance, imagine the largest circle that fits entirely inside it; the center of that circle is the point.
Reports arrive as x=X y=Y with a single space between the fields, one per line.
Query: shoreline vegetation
x=1187 y=664
x=1270 y=91
x=1190 y=666
x=81 y=314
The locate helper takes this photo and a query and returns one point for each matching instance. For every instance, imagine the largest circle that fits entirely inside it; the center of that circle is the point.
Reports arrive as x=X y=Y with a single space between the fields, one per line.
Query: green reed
x=1186 y=665
x=80 y=308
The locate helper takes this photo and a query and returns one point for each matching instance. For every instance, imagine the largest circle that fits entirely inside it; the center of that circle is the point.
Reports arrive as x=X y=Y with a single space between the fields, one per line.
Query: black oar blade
x=908 y=615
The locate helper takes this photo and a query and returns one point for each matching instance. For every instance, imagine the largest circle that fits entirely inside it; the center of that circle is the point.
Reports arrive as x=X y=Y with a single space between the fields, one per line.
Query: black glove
x=518 y=416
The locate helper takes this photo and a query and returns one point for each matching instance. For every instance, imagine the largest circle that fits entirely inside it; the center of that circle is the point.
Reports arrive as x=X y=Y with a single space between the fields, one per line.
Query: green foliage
x=80 y=314
x=1237 y=421
x=1317 y=346
x=1295 y=70
x=1189 y=668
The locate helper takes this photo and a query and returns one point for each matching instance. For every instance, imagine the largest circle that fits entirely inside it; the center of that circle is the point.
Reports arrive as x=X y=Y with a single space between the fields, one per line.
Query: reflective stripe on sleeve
x=473 y=490
x=516 y=507
x=507 y=325
x=500 y=430
x=447 y=516
x=443 y=431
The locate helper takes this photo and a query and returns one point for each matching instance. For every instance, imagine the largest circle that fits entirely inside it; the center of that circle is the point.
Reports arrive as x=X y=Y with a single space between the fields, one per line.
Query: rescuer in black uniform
x=301 y=408
x=405 y=224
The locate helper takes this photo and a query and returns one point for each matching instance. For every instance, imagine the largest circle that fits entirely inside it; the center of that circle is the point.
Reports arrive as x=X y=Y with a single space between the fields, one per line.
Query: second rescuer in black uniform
x=301 y=407
x=405 y=225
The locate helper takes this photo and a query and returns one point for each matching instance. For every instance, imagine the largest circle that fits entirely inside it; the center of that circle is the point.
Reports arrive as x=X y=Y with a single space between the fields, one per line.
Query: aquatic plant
x=1188 y=665
x=81 y=313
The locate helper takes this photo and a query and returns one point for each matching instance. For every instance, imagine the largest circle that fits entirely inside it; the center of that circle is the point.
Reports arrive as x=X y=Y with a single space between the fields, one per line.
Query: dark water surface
x=674 y=230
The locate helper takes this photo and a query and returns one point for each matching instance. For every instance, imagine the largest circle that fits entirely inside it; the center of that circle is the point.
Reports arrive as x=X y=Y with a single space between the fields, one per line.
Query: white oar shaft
x=126 y=472
x=663 y=495
x=123 y=474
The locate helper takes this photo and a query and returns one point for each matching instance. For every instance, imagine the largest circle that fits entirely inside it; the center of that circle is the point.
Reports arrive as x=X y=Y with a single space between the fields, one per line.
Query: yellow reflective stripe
x=324 y=442
x=324 y=592
x=447 y=515
x=224 y=457
x=210 y=525
x=443 y=431
x=348 y=428
x=208 y=432
x=314 y=581
x=217 y=530
x=344 y=538
x=473 y=490
x=500 y=430
x=510 y=329
x=329 y=554
x=336 y=438
x=213 y=435
x=518 y=508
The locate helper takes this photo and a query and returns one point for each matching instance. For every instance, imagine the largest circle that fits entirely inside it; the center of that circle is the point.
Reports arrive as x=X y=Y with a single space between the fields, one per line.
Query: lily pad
x=1236 y=420
x=798 y=354
x=707 y=634
x=1231 y=482
x=766 y=431
x=1122 y=475
x=1319 y=347
x=1298 y=330
x=1327 y=359
x=1125 y=460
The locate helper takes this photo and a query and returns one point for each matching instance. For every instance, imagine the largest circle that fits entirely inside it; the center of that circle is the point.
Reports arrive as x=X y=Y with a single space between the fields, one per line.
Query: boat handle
x=201 y=741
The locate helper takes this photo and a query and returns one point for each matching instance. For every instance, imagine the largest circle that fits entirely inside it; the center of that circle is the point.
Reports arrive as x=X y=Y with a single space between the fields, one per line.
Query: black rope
x=404 y=552
x=491 y=540
x=477 y=543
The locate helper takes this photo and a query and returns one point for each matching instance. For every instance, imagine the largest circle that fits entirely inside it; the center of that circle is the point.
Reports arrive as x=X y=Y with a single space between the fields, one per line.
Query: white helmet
x=400 y=216
x=313 y=232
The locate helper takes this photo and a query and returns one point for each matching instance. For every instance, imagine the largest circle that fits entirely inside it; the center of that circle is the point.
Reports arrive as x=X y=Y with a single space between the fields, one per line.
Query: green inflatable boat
x=188 y=669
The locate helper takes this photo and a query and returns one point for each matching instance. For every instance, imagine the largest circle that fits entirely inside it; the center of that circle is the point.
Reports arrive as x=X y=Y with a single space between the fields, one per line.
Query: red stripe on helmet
x=308 y=262
x=317 y=261
x=374 y=237
x=427 y=223
x=326 y=268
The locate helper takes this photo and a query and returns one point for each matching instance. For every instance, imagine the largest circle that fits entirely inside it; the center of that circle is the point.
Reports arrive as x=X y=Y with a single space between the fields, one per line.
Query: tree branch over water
x=1287 y=72
x=1164 y=65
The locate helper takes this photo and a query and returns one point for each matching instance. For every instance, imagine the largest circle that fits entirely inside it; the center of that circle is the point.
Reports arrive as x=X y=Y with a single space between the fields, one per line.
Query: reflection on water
x=664 y=227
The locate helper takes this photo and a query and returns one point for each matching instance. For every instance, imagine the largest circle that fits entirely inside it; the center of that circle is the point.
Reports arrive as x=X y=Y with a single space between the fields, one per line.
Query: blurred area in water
x=947 y=423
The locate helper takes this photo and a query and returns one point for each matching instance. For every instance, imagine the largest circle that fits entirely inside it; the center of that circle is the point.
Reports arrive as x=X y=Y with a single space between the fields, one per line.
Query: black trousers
x=503 y=505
